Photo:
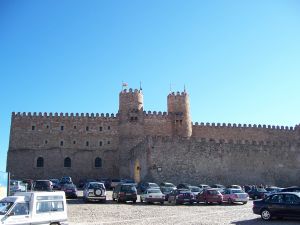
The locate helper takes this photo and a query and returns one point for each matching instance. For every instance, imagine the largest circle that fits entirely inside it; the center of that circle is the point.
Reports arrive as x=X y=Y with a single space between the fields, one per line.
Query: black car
x=257 y=193
x=106 y=182
x=70 y=190
x=42 y=185
x=282 y=204
x=84 y=181
x=183 y=186
x=124 y=193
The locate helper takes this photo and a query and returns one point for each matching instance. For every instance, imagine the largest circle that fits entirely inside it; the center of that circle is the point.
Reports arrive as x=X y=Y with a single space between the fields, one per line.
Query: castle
x=152 y=146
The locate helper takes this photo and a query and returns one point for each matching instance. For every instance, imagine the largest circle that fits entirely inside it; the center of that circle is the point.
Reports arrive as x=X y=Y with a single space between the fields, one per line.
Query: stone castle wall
x=192 y=161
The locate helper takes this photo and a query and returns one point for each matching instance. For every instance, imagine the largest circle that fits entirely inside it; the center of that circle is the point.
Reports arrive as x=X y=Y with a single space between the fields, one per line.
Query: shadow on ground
x=259 y=221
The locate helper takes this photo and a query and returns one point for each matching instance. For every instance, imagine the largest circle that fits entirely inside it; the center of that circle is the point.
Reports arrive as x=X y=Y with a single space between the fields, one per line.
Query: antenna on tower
x=184 y=88
x=170 y=87
x=141 y=86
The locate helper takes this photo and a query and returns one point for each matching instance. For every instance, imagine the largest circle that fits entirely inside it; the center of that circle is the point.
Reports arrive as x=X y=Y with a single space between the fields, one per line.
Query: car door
x=19 y=215
x=292 y=205
x=276 y=205
x=172 y=195
x=226 y=195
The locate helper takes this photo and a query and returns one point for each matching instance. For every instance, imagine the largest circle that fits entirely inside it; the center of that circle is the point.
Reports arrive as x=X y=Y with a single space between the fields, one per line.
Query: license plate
x=186 y=199
x=128 y=194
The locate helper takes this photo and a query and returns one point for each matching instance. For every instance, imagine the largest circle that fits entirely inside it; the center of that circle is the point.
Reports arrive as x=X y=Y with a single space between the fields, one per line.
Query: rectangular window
x=87 y=128
x=100 y=128
x=108 y=128
x=74 y=142
x=61 y=127
x=49 y=206
x=100 y=143
x=87 y=143
x=61 y=143
x=32 y=127
x=46 y=142
x=108 y=142
x=75 y=127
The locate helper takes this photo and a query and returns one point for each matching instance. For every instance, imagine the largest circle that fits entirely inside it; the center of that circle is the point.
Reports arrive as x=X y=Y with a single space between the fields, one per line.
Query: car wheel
x=114 y=199
x=220 y=203
x=266 y=214
x=162 y=203
x=206 y=202
x=142 y=200
x=255 y=197
x=118 y=200
x=134 y=201
x=244 y=203
x=85 y=200
x=230 y=201
x=104 y=201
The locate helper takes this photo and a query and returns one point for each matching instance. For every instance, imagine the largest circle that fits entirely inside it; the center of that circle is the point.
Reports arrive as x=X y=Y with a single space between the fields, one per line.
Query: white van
x=28 y=208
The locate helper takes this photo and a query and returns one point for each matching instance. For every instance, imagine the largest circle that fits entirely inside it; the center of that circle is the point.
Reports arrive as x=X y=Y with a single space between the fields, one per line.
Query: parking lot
x=140 y=213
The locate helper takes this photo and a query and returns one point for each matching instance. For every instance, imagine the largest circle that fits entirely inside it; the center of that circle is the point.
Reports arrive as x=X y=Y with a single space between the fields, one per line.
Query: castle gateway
x=151 y=146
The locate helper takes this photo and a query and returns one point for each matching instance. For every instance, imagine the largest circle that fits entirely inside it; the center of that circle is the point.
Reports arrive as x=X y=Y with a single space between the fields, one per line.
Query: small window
x=40 y=162
x=98 y=162
x=108 y=128
x=46 y=142
x=108 y=142
x=100 y=128
x=74 y=142
x=20 y=209
x=87 y=128
x=32 y=127
x=87 y=143
x=75 y=127
x=47 y=126
x=61 y=127
x=61 y=143
x=135 y=118
x=100 y=143
x=67 y=162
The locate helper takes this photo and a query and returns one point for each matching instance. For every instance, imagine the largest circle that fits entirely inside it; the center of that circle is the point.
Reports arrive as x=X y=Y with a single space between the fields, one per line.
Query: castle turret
x=179 y=111
x=131 y=127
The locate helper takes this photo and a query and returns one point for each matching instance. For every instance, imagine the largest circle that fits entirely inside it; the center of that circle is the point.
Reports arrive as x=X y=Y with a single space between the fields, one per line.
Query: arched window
x=67 y=162
x=98 y=162
x=40 y=162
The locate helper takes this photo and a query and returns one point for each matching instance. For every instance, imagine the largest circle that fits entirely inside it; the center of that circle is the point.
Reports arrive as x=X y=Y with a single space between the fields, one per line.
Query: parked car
x=257 y=193
x=42 y=185
x=82 y=182
x=183 y=186
x=70 y=190
x=203 y=186
x=211 y=195
x=272 y=190
x=115 y=182
x=232 y=195
x=235 y=186
x=166 y=184
x=281 y=204
x=143 y=186
x=166 y=191
x=34 y=208
x=219 y=186
x=55 y=184
x=94 y=191
x=66 y=180
x=195 y=190
x=291 y=189
x=16 y=186
x=125 y=192
x=29 y=184
x=153 y=195
x=107 y=182
x=181 y=196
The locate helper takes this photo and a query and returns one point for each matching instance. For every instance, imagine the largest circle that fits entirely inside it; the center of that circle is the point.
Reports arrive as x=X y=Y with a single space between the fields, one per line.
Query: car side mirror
x=11 y=214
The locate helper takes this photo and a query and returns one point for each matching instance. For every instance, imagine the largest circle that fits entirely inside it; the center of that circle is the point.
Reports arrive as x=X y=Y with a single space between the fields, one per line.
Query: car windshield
x=169 y=185
x=261 y=190
x=184 y=191
x=213 y=192
x=153 y=185
x=195 y=189
x=128 y=188
x=95 y=185
x=154 y=191
x=4 y=207
x=237 y=191
x=166 y=189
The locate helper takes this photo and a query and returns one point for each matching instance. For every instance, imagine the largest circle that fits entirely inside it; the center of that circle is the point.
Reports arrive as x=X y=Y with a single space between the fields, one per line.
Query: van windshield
x=4 y=207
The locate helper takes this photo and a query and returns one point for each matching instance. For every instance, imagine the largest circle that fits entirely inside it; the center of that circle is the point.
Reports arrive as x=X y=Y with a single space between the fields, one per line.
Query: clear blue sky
x=240 y=60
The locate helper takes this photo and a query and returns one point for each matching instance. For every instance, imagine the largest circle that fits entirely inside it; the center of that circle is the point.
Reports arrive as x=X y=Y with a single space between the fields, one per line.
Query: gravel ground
x=81 y=213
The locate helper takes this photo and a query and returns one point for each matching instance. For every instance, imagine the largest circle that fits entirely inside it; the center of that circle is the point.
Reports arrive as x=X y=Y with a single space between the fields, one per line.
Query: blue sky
x=239 y=60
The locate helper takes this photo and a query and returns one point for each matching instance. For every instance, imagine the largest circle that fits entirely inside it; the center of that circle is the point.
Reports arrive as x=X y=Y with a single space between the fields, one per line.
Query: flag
x=124 y=84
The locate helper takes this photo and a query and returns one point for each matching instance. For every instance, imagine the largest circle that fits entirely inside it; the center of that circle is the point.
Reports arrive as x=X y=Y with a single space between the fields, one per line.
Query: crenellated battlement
x=130 y=91
x=27 y=115
x=177 y=94
x=234 y=125
x=155 y=114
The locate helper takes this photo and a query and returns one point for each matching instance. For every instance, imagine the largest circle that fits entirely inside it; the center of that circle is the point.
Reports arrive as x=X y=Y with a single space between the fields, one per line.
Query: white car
x=17 y=186
x=152 y=195
x=34 y=208
x=94 y=191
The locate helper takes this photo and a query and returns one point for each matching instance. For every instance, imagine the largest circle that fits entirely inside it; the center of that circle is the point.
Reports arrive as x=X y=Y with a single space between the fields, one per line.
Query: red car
x=211 y=195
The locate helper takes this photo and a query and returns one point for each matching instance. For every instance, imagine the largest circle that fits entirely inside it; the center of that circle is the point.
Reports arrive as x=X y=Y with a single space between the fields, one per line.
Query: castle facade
x=152 y=146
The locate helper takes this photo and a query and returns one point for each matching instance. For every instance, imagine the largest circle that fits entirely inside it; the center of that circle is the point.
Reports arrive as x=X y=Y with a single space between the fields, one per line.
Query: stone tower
x=131 y=127
x=179 y=111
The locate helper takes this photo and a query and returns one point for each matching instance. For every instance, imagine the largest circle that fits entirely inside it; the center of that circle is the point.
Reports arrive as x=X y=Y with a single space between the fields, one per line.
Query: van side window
x=20 y=209
x=49 y=206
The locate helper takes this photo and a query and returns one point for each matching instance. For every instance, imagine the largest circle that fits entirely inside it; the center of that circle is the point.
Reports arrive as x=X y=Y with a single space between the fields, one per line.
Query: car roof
x=288 y=192
x=95 y=182
x=153 y=189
